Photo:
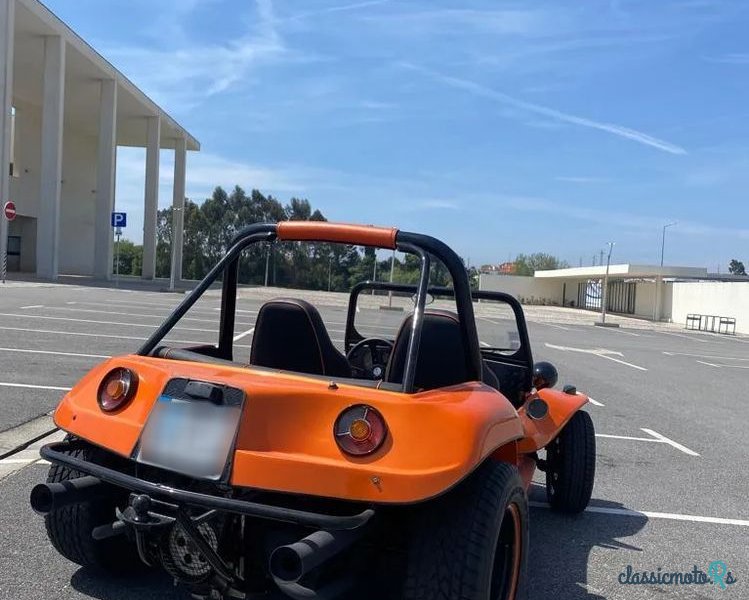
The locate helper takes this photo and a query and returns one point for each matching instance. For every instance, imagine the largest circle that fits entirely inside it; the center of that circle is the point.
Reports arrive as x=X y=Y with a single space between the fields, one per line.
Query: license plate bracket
x=189 y=435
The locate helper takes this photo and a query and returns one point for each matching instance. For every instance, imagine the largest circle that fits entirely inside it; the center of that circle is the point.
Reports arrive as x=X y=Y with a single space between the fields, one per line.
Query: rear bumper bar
x=55 y=453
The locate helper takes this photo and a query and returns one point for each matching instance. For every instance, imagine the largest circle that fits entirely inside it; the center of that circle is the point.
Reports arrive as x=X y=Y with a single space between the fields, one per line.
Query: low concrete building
x=652 y=292
x=637 y=290
x=63 y=111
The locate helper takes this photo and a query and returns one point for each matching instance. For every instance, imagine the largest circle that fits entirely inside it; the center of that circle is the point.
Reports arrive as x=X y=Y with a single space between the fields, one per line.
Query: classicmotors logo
x=717 y=574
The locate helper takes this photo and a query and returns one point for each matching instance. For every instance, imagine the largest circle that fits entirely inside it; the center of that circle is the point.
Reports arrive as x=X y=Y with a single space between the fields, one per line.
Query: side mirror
x=545 y=375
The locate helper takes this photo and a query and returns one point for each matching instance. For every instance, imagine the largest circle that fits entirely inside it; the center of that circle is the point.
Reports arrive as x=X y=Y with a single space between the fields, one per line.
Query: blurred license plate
x=192 y=437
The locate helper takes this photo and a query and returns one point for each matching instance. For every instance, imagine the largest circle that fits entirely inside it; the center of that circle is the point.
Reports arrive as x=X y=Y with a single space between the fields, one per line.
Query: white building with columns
x=65 y=110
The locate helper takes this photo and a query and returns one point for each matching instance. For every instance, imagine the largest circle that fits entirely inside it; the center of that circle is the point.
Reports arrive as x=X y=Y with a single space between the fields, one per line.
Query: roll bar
x=322 y=231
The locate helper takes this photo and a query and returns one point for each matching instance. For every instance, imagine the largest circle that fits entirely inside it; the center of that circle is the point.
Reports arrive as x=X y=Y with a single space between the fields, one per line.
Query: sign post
x=9 y=214
x=119 y=221
x=117 y=233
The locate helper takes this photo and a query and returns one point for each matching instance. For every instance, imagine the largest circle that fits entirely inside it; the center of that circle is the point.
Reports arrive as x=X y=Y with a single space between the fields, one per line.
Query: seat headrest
x=290 y=335
x=442 y=358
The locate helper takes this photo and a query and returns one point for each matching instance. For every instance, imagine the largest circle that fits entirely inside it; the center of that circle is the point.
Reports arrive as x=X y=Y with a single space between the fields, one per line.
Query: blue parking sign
x=119 y=219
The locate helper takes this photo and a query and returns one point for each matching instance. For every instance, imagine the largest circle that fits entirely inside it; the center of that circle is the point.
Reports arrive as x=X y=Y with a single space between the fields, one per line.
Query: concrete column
x=178 y=207
x=151 y=206
x=105 y=179
x=48 y=220
x=7 y=29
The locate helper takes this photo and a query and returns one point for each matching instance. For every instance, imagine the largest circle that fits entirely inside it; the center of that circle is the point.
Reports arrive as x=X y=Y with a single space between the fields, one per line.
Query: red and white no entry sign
x=10 y=211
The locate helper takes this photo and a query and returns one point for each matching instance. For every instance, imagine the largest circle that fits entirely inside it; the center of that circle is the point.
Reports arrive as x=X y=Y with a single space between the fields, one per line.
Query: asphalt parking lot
x=670 y=411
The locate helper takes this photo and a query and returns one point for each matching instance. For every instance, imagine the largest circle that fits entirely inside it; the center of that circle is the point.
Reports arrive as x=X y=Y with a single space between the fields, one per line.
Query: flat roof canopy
x=623 y=270
x=85 y=69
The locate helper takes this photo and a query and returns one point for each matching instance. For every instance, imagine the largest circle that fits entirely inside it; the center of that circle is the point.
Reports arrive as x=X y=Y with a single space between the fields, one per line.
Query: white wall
x=725 y=299
x=77 y=199
x=24 y=189
x=78 y=205
x=529 y=289
x=645 y=299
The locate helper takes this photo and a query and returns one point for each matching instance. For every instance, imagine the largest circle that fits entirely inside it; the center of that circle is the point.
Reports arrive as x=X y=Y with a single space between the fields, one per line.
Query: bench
x=711 y=323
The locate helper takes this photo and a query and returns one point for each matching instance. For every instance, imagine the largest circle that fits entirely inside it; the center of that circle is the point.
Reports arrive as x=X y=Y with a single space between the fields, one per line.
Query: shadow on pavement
x=561 y=546
x=152 y=584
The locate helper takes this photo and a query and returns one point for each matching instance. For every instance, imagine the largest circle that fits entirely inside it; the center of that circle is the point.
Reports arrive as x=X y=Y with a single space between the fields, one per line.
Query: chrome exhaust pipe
x=288 y=564
x=46 y=497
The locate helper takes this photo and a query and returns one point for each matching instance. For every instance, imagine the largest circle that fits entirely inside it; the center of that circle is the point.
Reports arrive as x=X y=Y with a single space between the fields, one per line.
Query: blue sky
x=500 y=127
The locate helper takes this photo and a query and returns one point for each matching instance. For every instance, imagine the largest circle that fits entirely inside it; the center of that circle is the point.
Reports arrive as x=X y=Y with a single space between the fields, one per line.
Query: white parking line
x=656 y=438
x=71 y=320
x=626 y=512
x=709 y=364
x=600 y=352
x=595 y=402
x=106 y=335
x=712 y=356
x=670 y=442
x=627 y=437
x=682 y=335
x=619 y=330
x=244 y=334
x=35 y=387
x=32 y=306
x=128 y=314
x=555 y=326
x=53 y=352
x=168 y=308
x=623 y=362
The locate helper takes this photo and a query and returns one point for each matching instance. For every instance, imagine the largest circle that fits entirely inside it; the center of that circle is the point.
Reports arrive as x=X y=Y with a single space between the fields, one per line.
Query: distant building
x=507 y=268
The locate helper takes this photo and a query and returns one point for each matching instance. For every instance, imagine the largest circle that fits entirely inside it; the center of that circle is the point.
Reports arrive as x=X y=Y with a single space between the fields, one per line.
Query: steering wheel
x=369 y=357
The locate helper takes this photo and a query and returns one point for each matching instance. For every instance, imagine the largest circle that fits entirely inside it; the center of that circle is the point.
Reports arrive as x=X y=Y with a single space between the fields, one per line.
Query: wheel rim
x=507 y=555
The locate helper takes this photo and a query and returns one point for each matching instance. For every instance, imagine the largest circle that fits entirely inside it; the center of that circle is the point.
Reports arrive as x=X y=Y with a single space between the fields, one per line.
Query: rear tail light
x=117 y=389
x=360 y=430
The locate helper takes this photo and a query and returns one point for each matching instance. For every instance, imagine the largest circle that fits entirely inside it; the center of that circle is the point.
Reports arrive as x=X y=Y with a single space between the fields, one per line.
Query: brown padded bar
x=322 y=231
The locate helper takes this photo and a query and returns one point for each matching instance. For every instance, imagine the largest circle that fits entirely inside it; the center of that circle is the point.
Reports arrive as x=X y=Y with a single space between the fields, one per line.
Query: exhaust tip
x=41 y=499
x=286 y=565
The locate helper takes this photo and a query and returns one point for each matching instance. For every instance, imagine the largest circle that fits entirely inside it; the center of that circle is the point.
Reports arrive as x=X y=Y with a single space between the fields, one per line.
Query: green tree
x=528 y=264
x=736 y=267
x=130 y=258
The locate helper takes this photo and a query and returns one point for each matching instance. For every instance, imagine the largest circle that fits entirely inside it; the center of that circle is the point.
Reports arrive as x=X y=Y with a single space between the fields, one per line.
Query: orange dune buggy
x=397 y=470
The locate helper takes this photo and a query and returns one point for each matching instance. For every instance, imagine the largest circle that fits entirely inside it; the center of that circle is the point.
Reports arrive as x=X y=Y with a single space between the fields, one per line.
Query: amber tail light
x=360 y=430
x=117 y=389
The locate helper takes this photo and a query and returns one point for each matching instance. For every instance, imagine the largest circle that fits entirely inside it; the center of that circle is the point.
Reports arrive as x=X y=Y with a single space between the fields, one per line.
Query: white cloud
x=485 y=92
x=436 y=205
x=336 y=9
x=190 y=73
x=730 y=59
x=506 y=21
x=584 y=180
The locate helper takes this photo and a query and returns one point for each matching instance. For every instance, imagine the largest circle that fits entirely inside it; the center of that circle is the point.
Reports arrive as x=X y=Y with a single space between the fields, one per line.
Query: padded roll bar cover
x=323 y=231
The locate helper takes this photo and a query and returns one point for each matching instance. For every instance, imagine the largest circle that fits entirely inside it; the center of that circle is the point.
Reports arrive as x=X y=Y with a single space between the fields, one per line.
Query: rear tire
x=69 y=528
x=571 y=465
x=472 y=543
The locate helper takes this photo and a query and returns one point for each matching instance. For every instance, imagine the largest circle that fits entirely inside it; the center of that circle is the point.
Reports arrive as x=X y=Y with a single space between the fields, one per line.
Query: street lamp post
x=659 y=278
x=604 y=292
x=392 y=269
x=330 y=271
x=606 y=284
x=267 y=262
